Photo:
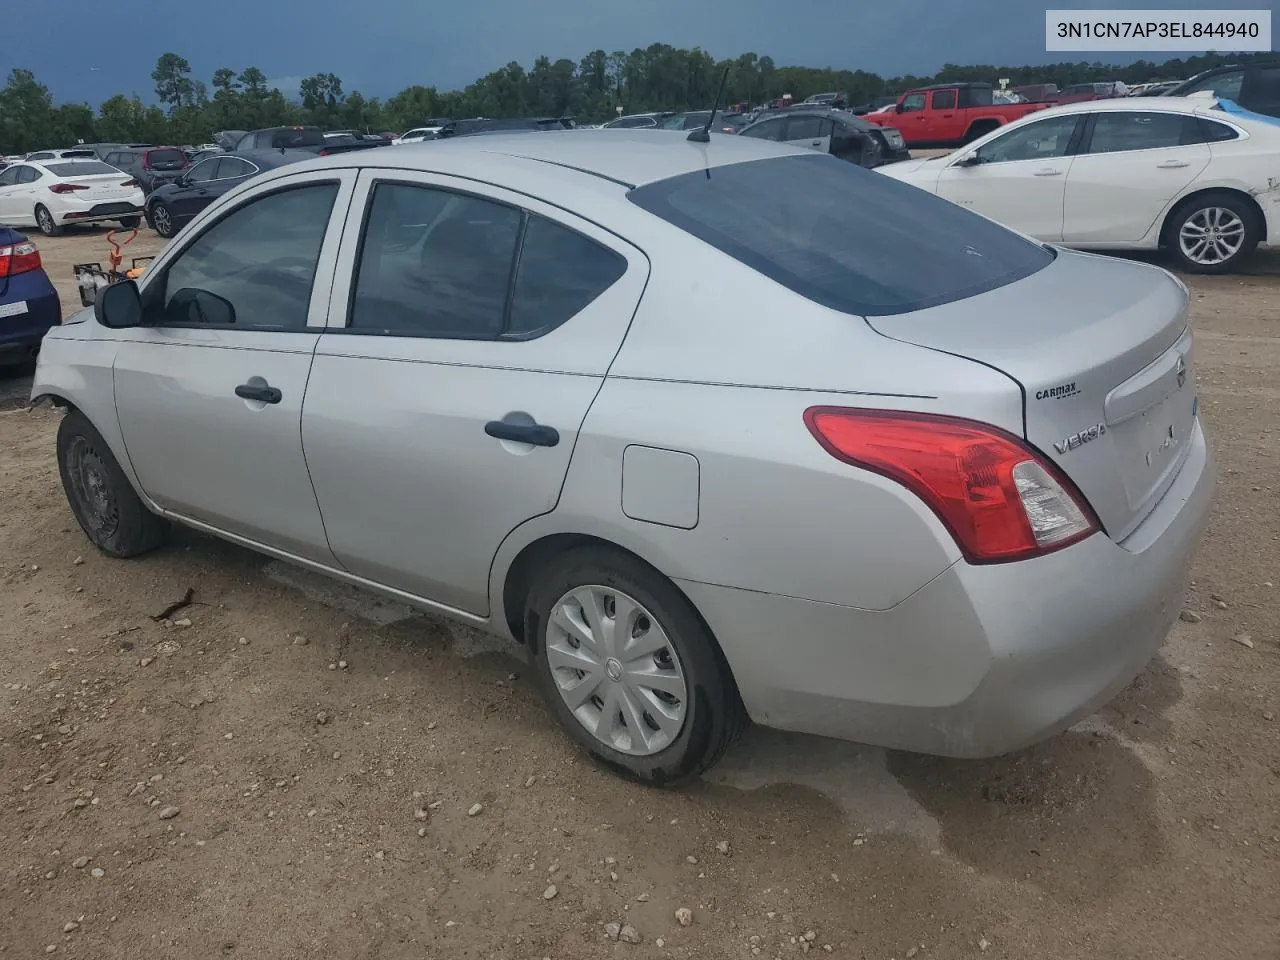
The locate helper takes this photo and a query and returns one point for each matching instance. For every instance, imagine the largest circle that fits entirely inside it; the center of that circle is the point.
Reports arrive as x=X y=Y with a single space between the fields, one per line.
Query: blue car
x=29 y=304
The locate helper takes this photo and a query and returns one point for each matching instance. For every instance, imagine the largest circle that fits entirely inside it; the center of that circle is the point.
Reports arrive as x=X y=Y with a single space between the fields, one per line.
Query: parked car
x=827 y=99
x=51 y=194
x=836 y=132
x=878 y=103
x=150 y=166
x=227 y=139
x=949 y=114
x=29 y=304
x=633 y=121
x=1162 y=89
x=310 y=139
x=417 y=135
x=474 y=125
x=1172 y=173
x=80 y=153
x=694 y=119
x=1255 y=86
x=590 y=472
x=172 y=206
x=1038 y=92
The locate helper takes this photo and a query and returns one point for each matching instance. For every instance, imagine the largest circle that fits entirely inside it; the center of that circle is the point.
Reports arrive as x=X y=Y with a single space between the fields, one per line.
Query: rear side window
x=80 y=168
x=844 y=237
x=560 y=272
x=944 y=100
x=1215 y=132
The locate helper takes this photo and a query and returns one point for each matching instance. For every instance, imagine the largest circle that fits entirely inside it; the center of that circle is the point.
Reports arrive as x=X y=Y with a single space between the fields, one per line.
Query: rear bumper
x=983 y=659
x=107 y=210
x=21 y=332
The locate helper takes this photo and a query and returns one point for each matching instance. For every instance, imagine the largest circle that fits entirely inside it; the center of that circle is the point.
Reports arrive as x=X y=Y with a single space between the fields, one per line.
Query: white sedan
x=50 y=194
x=1178 y=173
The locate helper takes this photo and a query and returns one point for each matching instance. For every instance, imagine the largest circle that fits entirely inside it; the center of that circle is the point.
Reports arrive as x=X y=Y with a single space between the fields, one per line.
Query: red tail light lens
x=19 y=258
x=999 y=499
x=323 y=153
x=67 y=187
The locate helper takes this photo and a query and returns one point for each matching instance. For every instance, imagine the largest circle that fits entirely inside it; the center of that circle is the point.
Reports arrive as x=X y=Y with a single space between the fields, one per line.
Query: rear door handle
x=1173 y=164
x=1048 y=172
x=534 y=433
x=258 y=391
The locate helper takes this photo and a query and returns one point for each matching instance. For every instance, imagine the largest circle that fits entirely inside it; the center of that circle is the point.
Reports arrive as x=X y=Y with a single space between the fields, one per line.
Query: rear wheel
x=979 y=129
x=161 y=219
x=1212 y=233
x=629 y=668
x=129 y=223
x=105 y=504
x=44 y=220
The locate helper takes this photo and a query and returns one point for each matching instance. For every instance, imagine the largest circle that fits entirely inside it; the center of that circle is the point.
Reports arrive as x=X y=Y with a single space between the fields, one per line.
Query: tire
x=161 y=220
x=46 y=223
x=129 y=223
x=711 y=712
x=1237 y=237
x=105 y=504
x=979 y=129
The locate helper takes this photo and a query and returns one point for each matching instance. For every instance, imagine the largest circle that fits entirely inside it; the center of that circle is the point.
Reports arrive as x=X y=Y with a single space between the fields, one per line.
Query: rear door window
x=1116 y=132
x=789 y=219
x=944 y=100
x=766 y=129
x=804 y=128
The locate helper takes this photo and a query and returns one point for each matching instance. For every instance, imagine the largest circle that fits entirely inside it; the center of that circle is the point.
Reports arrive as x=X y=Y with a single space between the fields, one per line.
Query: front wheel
x=1212 y=234
x=629 y=668
x=162 y=220
x=44 y=220
x=105 y=504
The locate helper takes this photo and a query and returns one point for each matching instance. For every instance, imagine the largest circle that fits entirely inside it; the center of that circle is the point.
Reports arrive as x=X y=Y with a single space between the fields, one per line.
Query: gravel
x=684 y=916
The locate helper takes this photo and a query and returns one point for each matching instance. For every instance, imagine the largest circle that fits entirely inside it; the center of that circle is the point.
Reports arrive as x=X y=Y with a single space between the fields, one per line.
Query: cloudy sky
x=84 y=50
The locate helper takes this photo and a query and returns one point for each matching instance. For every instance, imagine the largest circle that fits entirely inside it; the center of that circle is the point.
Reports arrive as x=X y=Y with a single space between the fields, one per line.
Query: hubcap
x=1212 y=235
x=616 y=670
x=161 y=217
x=88 y=474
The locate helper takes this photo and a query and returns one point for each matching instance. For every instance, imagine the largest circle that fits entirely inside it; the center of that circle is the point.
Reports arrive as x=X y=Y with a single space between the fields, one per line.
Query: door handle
x=817 y=143
x=534 y=433
x=1048 y=172
x=1173 y=164
x=258 y=391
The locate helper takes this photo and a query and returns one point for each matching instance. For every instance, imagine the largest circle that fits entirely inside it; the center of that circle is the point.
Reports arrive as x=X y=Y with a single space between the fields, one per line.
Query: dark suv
x=1254 y=86
x=150 y=166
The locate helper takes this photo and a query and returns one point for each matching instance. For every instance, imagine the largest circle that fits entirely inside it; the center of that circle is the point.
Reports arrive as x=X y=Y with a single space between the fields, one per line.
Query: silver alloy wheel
x=1211 y=235
x=160 y=217
x=616 y=670
x=46 y=221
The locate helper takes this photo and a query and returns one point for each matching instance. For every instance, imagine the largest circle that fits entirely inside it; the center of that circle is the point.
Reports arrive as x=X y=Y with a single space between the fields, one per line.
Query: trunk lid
x=102 y=187
x=1102 y=352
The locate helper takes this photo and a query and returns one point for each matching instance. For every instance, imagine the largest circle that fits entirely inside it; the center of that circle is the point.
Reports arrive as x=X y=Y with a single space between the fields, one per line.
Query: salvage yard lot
x=324 y=751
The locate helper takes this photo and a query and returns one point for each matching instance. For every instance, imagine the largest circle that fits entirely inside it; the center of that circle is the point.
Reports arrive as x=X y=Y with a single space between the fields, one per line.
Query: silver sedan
x=715 y=431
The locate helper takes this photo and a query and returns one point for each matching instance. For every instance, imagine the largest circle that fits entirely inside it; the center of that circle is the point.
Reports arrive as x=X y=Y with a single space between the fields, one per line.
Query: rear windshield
x=297 y=138
x=72 y=154
x=842 y=236
x=80 y=168
x=166 y=157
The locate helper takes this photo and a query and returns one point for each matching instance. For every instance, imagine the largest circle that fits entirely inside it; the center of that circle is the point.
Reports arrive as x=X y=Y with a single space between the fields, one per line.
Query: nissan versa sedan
x=924 y=483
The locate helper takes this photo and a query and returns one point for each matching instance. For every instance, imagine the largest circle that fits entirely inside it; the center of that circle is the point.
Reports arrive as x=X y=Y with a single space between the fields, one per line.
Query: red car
x=949 y=114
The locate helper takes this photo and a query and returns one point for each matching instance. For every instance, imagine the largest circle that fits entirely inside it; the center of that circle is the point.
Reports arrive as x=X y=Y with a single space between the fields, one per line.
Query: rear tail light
x=323 y=153
x=68 y=187
x=129 y=183
x=999 y=499
x=19 y=258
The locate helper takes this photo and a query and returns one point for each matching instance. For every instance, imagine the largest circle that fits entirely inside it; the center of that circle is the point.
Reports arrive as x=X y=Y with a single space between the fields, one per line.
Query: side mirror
x=971 y=160
x=897 y=107
x=118 y=305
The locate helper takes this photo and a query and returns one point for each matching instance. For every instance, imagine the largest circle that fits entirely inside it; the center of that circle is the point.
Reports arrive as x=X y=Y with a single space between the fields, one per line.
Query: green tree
x=26 y=114
x=172 y=77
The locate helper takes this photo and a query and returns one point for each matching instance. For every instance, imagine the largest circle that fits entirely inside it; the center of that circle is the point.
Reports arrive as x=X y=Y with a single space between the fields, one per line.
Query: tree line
x=658 y=77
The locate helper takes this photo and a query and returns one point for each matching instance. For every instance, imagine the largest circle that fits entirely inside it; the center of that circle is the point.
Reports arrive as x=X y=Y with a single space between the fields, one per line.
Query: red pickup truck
x=949 y=114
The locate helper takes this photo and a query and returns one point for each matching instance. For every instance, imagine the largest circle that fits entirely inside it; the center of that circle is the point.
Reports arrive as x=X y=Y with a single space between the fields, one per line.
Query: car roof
x=630 y=157
x=948 y=86
x=1167 y=104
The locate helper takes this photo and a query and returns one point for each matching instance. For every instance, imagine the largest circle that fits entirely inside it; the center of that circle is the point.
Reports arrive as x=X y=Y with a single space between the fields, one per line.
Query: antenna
x=704 y=135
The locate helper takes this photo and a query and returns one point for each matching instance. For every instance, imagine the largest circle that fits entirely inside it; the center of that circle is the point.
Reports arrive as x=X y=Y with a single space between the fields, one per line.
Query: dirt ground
x=323 y=751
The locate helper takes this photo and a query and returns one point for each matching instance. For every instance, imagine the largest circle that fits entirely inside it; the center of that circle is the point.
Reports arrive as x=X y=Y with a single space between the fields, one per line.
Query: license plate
x=13 y=309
